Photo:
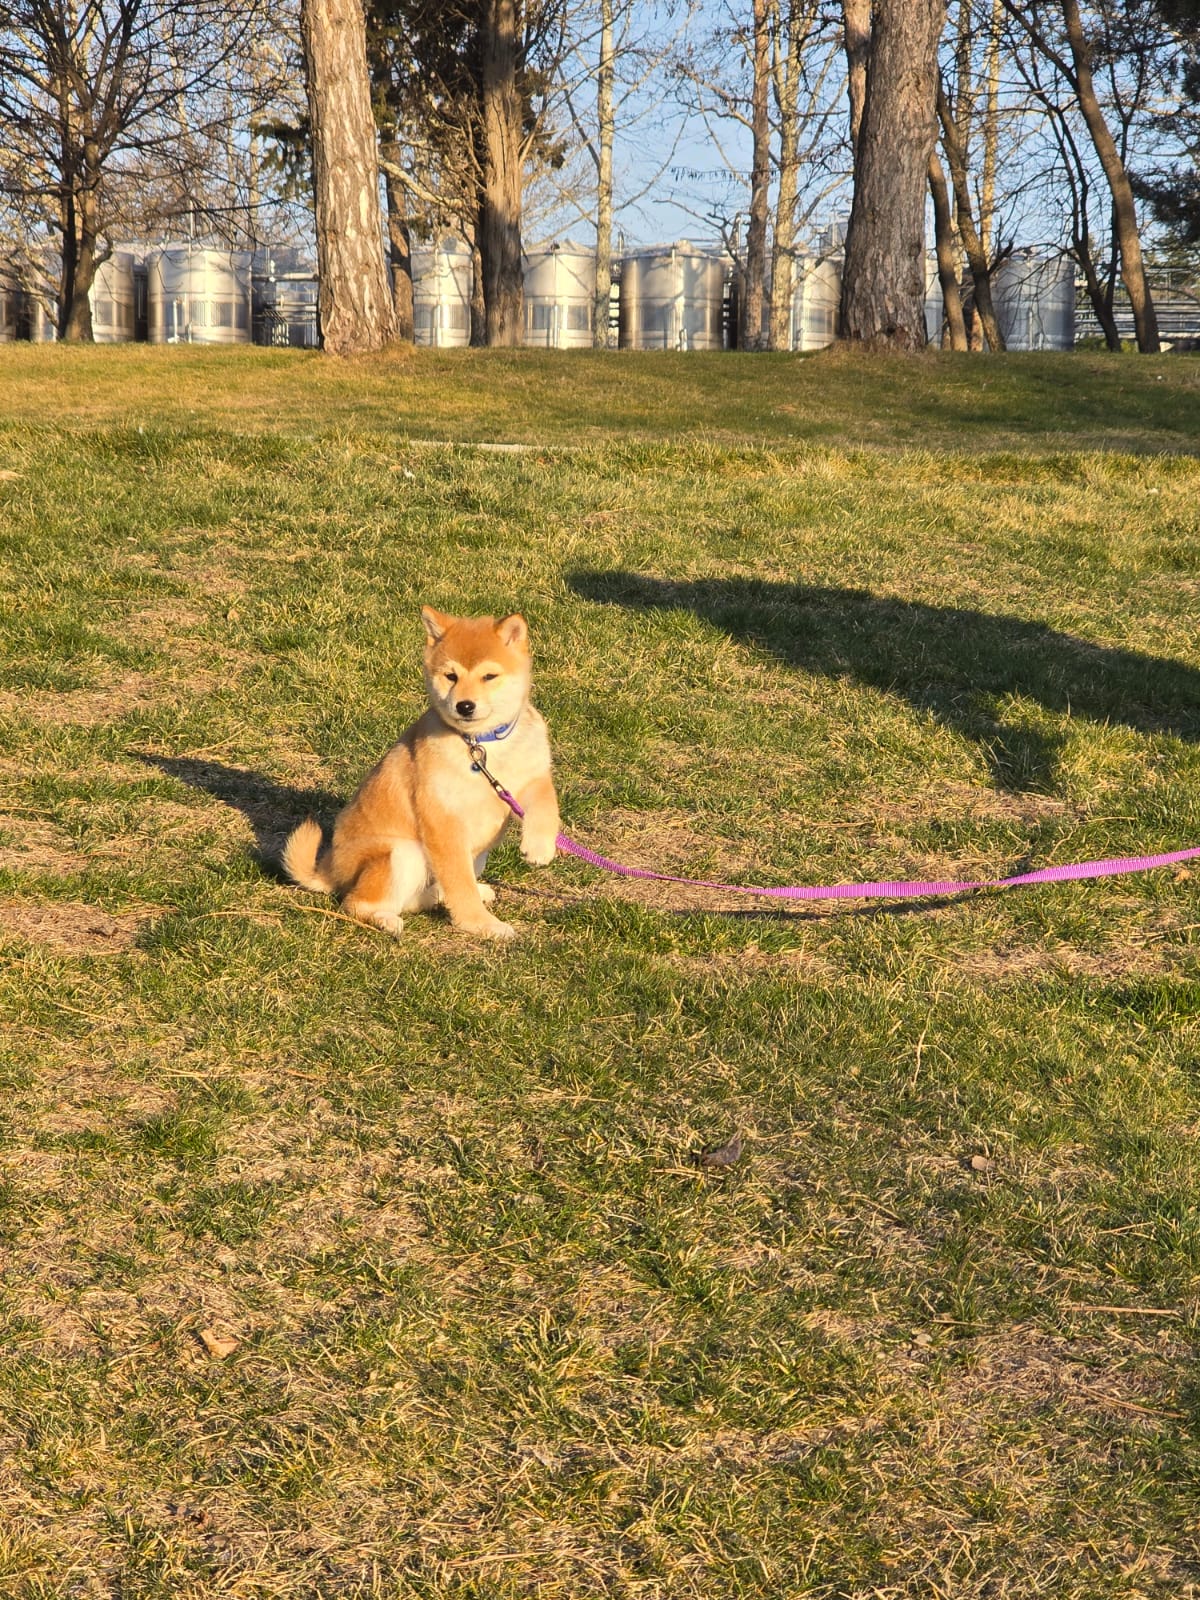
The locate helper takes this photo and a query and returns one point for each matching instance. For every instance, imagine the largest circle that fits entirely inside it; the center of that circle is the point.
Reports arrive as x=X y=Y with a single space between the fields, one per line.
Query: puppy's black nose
x=465 y=708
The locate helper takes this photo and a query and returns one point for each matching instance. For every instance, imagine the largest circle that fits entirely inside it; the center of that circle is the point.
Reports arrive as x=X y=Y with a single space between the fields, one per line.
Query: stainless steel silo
x=672 y=299
x=935 y=304
x=25 y=314
x=815 y=300
x=560 y=294
x=1034 y=295
x=441 y=274
x=197 y=295
x=113 y=300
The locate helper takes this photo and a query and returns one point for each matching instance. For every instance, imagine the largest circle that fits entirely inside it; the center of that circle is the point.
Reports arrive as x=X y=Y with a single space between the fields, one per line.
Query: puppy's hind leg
x=413 y=883
x=372 y=898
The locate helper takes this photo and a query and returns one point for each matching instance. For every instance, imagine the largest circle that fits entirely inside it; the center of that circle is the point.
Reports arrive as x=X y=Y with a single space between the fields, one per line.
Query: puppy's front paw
x=538 y=852
x=486 y=926
x=486 y=893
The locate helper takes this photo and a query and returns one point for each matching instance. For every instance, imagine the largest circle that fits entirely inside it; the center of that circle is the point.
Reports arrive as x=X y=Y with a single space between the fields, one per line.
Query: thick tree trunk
x=946 y=255
x=977 y=259
x=883 y=278
x=606 y=128
x=1133 y=271
x=355 y=302
x=760 y=181
x=500 y=203
x=399 y=248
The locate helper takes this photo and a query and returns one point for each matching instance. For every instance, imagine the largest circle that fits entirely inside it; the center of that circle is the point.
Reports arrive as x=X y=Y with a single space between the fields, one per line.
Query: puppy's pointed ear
x=513 y=631
x=435 y=622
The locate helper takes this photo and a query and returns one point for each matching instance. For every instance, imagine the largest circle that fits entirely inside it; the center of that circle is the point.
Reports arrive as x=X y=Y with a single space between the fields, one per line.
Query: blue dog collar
x=502 y=732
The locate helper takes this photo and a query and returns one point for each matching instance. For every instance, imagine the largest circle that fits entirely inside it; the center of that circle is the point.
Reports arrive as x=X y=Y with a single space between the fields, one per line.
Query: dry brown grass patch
x=70 y=926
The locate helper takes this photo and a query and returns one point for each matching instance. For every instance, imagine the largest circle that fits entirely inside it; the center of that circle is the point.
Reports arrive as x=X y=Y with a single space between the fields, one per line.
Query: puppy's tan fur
x=418 y=832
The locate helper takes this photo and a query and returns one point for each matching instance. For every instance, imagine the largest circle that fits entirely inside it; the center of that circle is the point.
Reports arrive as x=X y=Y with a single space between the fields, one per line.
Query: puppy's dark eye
x=452 y=677
x=488 y=676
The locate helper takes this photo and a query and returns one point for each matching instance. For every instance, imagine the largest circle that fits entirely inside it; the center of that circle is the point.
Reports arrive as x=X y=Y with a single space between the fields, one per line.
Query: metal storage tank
x=815 y=301
x=1035 y=301
x=113 y=300
x=671 y=299
x=284 y=299
x=11 y=294
x=198 y=295
x=441 y=274
x=24 y=313
x=560 y=294
x=935 y=305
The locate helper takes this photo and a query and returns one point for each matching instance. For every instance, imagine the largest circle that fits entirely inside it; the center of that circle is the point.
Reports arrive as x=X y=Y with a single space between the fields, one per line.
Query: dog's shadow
x=956 y=664
x=272 y=809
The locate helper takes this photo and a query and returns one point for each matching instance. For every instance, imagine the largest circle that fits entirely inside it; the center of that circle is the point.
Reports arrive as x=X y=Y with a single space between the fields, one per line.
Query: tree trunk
x=604 y=179
x=946 y=254
x=355 y=302
x=856 y=16
x=80 y=259
x=783 y=244
x=1133 y=271
x=500 y=200
x=399 y=247
x=883 y=277
x=760 y=182
x=791 y=28
x=991 y=148
x=977 y=260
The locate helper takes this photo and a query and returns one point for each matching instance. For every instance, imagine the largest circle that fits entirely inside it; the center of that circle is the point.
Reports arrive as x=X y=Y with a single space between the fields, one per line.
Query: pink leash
x=911 y=890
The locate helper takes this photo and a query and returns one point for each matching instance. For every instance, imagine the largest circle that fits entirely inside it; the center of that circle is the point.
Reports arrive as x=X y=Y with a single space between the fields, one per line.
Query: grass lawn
x=332 y=1265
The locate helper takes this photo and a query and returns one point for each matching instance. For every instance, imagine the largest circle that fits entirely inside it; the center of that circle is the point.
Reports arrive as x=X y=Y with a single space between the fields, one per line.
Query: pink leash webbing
x=911 y=890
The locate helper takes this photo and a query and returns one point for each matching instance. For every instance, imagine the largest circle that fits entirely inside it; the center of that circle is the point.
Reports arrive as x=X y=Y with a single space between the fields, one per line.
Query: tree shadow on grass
x=955 y=664
x=272 y=809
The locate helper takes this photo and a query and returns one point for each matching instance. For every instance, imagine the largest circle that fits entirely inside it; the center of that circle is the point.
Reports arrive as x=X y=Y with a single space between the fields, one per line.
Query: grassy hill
x=337 y=1265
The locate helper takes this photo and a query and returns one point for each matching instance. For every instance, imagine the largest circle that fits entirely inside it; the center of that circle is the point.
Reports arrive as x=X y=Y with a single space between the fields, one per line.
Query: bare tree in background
x=463 y=86
x=883 y=278
x=90 y=97
x=755 y=270
x=947 y=255
x=769 y=73
x=614 y=49
x=953 y=128
x=802 y=62
x=602 y=153
x=356 y=309
x=1057 y=36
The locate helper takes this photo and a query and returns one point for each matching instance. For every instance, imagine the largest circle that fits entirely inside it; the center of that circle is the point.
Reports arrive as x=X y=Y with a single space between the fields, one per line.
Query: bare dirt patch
x=79 y=929
x=28 y=844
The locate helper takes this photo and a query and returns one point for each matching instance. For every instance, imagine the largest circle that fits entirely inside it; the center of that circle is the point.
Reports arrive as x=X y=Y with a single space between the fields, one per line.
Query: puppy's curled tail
x=300 y=854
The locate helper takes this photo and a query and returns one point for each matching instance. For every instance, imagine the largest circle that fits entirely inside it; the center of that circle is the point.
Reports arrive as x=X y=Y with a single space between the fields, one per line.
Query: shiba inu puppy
x=418 y=832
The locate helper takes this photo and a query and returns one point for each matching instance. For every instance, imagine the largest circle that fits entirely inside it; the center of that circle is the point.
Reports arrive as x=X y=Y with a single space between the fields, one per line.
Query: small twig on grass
x=1126 y=1311
x=1131 y=1405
